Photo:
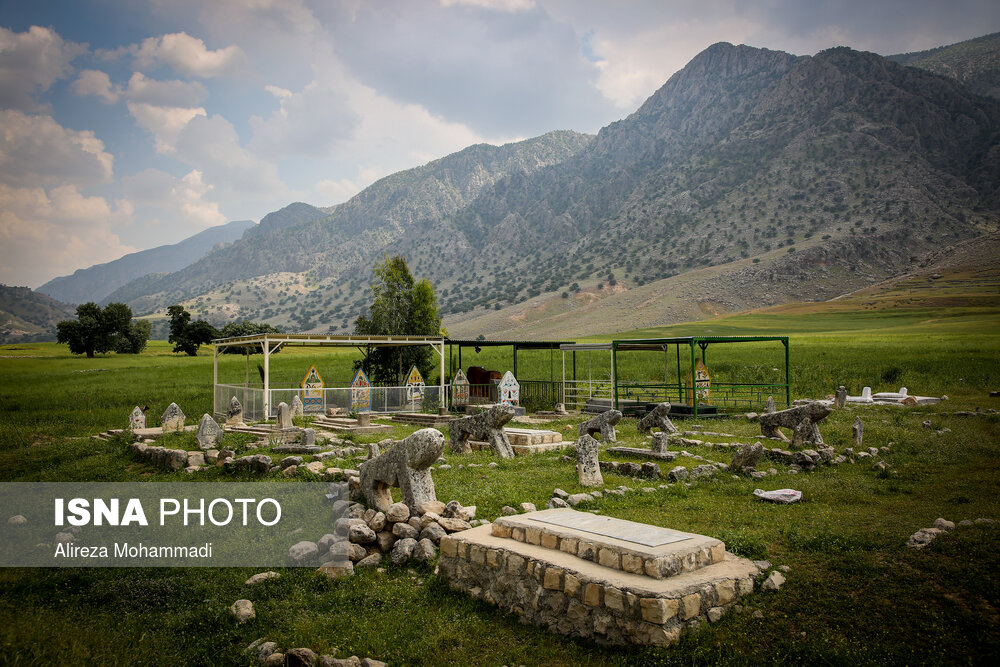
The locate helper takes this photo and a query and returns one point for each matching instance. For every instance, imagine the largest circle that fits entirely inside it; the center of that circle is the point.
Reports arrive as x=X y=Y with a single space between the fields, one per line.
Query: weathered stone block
x=486 y=426
x=603 y=423
x=657 y=418
x=690 y=606
x=404 y=465
x=614 y=599
x=658 y=610
x=588 y=468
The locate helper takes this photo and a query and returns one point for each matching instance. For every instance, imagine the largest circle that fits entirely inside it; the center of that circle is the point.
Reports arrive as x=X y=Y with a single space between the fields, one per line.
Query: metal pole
x=564 y=376
x=515 y=360
x=614 y=372
x=694 y=383
x=444 y=397
x=267 y=379
x=680 y=386
x=215 y=378
x=788 y=384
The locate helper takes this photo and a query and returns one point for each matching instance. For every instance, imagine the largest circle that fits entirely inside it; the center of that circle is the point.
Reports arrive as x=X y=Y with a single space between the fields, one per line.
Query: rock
x=290 y=461
x=587 y=468
x=284 y=417
x=263 y=576
x=507 y=510
x=172 y=419
x=923 y=537
x=276 y=659
x=715 y=614
x=944 y=524
x=257 y=463
x=356 y=552
x=290 y=471
x=965 y=523
x=243 y=611
x=296 y=409
x=402 y=550
x=360 y=533
x=678 y=474
x=372 y=560
x=397 y=512
x=404 y=465
x=452 y=510
x=371 y=662
x=485 y=426
x=577 y=498
x=747 y=456
x=404 y=531
x=773 y=582
x=559 y=493
x=424 y=551
x=435 y=506
x=330 y=661
x=263 y=649
x=300 y=657
x=453 y=525
x=528 y=507
x=377 y=522
x=433 y=532
x=209 y=433
x=17 y=520
x=706 y=471
x=303 y=551
x=336 y=569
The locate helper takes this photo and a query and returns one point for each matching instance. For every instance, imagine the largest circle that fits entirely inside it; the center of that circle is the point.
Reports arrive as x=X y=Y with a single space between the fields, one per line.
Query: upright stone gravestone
x=414 y=388
x=460 y=390
x=840 y=398
x=510 y=390
x=137 y=419
x=361 y=392
x=284 y=416
x=770 y=407
x=857 y=433
x=296 y=407
x=172 y=419
x=588 y=469
x=209 y=434
x=234 y=416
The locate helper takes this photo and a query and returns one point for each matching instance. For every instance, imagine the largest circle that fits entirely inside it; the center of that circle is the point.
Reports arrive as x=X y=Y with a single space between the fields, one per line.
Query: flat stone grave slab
x=530 y=436
x=643 y=453
x=622 y=529
x=347 y=425
x=614 y=543
x=523 y=450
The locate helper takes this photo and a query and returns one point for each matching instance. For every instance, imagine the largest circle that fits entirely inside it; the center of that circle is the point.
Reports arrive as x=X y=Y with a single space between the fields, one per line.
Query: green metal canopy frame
x=692 y=342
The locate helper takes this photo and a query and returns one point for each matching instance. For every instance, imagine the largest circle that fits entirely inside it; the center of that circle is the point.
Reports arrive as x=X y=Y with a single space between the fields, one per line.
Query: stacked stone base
x=586 y=585
x=528 y=441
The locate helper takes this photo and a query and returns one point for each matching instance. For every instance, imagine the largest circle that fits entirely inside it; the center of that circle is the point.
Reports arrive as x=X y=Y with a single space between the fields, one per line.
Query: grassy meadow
x=855 y=594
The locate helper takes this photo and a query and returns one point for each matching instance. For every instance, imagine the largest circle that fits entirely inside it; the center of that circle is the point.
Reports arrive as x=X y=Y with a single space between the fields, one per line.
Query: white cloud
x=164 y=123
x=45 y=234
x=179 y=204
x=165 y=93
x=97 y=83
x=495 y=5
x=30 y=62
x=189 y=55
x=38 y=151
x=312 y=122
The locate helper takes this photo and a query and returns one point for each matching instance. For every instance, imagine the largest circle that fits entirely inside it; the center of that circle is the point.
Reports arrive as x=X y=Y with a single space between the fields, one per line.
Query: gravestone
x=661 y=442
x=769 y=407
x=793 y=418
x=603 y=423
x=312 y=392
x=509 y=390
x=361 y=392
x=209 y=434
x=460 y=390
x=857 y=433
x=172 y=419
x=487 y=426
x=657 y=418
x=284 y=416
x=588 y=468
x=234 y=416
x=747 y=456
x=406 y=465
x=308 y=437
x=840 y=399
x=414 y=388
x=137 y=419
x=296 y=407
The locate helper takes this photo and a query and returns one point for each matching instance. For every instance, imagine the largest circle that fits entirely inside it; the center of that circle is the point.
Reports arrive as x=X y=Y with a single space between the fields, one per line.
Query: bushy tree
x=186 y=335
x=97 y=330
x=247 y=328
x=400 y=307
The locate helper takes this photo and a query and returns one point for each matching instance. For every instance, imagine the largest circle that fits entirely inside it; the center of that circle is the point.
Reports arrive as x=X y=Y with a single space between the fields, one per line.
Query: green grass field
x=855 y=594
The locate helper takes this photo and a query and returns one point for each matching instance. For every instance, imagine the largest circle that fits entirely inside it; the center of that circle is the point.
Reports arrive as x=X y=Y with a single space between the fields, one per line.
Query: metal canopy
x=515 y=345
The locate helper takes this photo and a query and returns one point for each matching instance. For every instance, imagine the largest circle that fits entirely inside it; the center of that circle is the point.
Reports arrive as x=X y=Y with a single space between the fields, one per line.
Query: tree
x=400 y=307
x=247 y=328
x=98 y=330
x=186 y=335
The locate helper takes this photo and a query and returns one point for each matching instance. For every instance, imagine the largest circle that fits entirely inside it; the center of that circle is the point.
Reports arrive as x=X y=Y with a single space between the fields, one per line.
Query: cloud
x=180 y=204
x=30 y=62
x=164 y=123
x=173 y=93
x=495 y=5
x=312 y=122
x=189 y=55
x=45 y=234
x=38 y=151
x=98 y=84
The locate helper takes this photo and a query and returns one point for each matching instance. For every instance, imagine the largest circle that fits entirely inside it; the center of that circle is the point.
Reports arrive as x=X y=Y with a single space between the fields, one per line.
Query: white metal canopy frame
x=272 y=342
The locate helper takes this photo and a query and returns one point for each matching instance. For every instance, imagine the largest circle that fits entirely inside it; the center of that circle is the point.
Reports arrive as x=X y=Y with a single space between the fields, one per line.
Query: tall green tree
x=186 y=335
x=400 y=307
x=246 y=328
x=97 y=330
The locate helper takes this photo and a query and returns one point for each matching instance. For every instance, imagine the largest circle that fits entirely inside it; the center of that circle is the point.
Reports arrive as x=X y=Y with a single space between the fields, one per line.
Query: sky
x=128 y=124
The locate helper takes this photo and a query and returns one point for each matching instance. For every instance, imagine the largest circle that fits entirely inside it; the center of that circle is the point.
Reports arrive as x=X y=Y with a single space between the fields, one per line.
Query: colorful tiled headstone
x=460 y=389
x=703 y=380
x=510 y=390
x=312 y=391
x=361 y=392
x=414 y=388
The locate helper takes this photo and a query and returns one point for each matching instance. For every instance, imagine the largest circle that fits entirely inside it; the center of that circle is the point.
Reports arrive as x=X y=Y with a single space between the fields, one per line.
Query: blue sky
x=129 y=124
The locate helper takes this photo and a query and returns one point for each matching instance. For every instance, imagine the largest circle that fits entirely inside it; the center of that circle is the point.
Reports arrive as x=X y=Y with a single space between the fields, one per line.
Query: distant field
x=855 y=594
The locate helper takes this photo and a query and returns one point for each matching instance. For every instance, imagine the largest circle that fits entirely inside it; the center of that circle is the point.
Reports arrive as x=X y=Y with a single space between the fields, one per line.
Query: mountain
x=27 y=316
x=99 y=281
x=974 y=62
x=752 y=177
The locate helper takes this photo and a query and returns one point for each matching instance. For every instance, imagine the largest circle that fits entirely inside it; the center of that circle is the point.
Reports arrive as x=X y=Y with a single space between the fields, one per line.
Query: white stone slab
x=620 y=529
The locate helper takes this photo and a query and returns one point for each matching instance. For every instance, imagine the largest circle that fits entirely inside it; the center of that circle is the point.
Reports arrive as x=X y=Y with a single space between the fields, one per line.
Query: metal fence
x=578 y=392
x=379 y=399
x=732 y=396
